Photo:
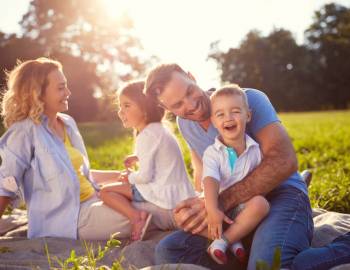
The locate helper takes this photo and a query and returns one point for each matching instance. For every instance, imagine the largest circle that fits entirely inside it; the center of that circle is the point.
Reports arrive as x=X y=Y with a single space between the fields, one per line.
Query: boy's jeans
x=289 y=226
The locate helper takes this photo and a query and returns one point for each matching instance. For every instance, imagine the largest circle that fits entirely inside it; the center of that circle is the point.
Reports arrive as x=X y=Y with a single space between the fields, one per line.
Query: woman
x=44 y=160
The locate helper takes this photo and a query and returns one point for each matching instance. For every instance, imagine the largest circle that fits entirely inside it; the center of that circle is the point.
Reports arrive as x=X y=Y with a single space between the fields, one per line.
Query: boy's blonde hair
x=26 y=84
x=231 y=90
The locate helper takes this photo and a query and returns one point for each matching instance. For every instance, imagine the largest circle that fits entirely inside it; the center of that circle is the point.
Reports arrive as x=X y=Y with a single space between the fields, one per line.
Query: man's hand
x=130 y=161
x=190 y=215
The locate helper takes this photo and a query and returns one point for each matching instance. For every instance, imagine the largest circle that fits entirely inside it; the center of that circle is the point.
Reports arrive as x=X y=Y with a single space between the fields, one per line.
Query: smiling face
x=130 y=113
x=56 y=94
x=184 y=98
x=230 y=116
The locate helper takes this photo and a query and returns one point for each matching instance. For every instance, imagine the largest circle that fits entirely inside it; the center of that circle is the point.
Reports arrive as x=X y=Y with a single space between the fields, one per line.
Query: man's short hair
x=231 y=90
x=159 y=77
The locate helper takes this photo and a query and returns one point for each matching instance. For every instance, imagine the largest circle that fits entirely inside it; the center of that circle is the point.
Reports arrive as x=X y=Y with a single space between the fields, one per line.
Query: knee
x=103 y=194
x=260 y=205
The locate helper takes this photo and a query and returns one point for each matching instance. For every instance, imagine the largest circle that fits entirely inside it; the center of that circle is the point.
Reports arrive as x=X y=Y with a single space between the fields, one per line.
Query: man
x=289 y=224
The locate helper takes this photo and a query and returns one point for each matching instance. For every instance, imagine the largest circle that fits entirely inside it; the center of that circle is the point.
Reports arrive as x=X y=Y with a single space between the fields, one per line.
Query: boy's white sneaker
x=238 y=250
x=217 y=251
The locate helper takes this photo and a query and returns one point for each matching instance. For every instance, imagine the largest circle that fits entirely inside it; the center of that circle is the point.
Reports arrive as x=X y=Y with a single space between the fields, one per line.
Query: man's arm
x=197 y=166
x=278 y=163
x=190 y=213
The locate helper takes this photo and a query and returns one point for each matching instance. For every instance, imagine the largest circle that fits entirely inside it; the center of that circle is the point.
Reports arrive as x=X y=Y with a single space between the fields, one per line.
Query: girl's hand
x=130 y=161
x=215 y=219
x=124 y=176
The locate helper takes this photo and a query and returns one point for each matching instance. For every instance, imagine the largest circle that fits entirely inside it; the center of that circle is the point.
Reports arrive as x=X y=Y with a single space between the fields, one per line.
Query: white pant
x=97 y=221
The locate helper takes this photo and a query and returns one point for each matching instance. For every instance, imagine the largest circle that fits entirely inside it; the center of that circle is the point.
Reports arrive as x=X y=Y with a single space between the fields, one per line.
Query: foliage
x=322 y=143
x=82 y=28
x=275 y=64
x=98 y=52
x=296 y=77
x=276 y=262
x=91 y=260
x=329 y=37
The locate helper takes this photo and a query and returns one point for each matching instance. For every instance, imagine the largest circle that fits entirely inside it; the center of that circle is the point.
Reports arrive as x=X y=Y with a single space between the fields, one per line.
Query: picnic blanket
x=18 y=252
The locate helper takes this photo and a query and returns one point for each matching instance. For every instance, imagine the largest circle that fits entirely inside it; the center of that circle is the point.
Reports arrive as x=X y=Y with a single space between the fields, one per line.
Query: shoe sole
x=215 y=258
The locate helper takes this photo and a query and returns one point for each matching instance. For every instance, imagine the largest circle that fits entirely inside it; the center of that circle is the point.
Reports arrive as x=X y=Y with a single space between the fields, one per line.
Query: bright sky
x=181 y=31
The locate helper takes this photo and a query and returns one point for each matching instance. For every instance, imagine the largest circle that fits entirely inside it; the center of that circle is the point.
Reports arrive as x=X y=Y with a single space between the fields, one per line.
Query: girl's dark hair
x=134 y=91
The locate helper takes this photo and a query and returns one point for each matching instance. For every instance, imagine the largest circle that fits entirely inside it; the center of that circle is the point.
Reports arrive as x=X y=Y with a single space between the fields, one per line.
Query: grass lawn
x=321 y=140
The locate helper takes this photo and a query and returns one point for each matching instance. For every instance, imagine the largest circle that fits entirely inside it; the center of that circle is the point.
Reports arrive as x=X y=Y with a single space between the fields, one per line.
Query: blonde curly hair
x=26 y=84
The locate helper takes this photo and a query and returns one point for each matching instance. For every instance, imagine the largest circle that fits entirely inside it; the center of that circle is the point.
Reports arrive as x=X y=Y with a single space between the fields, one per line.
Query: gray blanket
x=17 y=252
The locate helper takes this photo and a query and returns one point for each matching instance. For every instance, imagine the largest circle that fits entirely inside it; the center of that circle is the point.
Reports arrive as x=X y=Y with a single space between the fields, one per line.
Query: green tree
x=276 y=64
x=10 y=47
x=329 y=37
x=98 y=52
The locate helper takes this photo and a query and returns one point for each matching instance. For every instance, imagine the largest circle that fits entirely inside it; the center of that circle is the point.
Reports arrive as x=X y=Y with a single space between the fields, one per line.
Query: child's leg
x=253 y=213
x=118 y=196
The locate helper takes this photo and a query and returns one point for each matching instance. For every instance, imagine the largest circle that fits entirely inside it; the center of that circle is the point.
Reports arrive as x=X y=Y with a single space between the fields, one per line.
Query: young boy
x=233 y=155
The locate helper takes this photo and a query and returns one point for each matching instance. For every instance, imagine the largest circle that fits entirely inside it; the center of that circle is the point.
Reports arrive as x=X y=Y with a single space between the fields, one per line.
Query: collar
x=63 y=117
x=249 y=142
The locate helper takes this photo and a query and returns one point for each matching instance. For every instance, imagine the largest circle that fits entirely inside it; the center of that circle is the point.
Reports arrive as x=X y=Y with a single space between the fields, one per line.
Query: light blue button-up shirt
x=38 y=161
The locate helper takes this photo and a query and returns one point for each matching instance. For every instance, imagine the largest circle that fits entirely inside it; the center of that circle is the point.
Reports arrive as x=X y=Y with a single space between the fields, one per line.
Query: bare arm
x=278 y=163
x=105 y=176
x=197 y=170
x=4 y=201
x=211 y=193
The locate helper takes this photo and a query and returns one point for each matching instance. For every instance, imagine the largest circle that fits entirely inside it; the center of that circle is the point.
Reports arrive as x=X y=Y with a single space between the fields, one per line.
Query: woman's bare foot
x=139 y=225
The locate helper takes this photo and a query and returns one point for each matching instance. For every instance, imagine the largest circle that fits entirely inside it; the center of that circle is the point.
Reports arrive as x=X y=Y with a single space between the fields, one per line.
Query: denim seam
x=293 y=219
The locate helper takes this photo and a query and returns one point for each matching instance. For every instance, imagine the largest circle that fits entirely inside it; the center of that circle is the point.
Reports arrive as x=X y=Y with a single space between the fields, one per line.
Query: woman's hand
x=130 y=161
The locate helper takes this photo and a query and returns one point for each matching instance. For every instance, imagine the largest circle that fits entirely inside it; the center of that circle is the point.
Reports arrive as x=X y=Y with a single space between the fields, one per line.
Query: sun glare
x=117 y=8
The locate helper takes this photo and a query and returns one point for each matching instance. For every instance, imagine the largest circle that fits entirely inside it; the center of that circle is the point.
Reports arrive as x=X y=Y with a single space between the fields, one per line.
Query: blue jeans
x=289 y=226
x=136 y=195
x=323 y=258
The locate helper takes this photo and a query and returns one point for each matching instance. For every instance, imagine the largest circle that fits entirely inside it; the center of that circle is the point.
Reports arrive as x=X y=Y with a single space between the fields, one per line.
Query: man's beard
x=204 y=103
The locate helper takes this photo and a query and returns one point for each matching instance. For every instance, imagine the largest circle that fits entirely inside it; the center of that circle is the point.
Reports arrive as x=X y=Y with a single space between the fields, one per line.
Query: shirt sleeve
x=146 y=149
x=211 y=164
x=263 y=113
x=16 y=153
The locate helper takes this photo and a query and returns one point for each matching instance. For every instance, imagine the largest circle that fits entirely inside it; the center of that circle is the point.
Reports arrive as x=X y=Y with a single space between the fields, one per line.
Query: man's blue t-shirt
x=263 y=113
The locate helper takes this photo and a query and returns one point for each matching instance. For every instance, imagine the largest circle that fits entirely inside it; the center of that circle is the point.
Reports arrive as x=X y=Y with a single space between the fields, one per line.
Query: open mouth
x=230 y=127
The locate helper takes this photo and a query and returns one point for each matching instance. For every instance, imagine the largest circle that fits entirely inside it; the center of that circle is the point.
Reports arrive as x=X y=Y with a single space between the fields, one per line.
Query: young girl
x=161 y=178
